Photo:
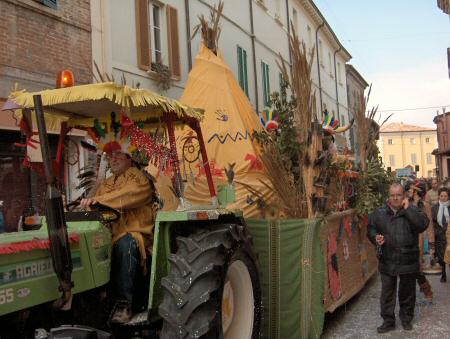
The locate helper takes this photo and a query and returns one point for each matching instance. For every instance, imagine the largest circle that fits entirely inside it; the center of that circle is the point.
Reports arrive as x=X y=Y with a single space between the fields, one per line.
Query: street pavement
x=360 y=317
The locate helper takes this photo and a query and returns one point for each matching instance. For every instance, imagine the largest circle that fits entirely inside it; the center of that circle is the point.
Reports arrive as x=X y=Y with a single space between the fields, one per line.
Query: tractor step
x=138 y=320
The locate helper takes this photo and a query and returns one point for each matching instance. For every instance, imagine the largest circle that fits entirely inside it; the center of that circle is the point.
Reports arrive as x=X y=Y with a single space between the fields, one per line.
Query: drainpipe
x=188 y=33
x=252 y=31
x=336 y=80
x=289 y=33
x=318 y=65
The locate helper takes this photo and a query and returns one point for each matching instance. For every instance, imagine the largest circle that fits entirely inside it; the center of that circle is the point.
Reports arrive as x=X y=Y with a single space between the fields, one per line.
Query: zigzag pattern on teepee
x=239 y=135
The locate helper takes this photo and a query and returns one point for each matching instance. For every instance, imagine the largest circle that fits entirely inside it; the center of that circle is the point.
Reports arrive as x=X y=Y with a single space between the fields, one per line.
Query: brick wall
x=36 y=42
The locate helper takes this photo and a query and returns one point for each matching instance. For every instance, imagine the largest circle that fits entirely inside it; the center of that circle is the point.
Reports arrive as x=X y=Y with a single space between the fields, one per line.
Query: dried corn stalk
x=367 y=128
x=210 y=30
x=295 y=190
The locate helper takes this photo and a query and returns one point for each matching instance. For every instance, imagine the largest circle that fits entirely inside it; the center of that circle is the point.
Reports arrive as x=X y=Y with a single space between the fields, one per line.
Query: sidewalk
x=361 y=316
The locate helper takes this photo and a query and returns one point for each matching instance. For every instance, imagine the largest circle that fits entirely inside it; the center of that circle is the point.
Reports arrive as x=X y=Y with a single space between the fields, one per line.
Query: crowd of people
x=416 y=214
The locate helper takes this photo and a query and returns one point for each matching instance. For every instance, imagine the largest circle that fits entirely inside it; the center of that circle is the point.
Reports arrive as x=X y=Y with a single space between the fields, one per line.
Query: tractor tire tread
x=189 y=307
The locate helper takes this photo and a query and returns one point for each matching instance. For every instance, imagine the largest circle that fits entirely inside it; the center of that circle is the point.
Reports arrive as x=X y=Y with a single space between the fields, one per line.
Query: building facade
x=131 y=36
x=356 y=85
x=411 y=146
x=444 y=5
x=442 y=152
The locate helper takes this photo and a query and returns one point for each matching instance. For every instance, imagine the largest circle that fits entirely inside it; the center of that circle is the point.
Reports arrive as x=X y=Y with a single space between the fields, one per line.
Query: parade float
x=295 y=247
x=305 y=205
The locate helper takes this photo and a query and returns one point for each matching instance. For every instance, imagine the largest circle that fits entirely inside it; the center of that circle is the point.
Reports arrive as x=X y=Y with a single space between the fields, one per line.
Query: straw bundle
x=301 y=84
x=291 y=173
x=210 y=30
x=368 y=129
x=304 y=113
x=289 y=192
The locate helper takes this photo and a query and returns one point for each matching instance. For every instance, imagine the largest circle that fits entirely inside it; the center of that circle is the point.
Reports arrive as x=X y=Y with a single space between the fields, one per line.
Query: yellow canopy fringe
x=87 y=100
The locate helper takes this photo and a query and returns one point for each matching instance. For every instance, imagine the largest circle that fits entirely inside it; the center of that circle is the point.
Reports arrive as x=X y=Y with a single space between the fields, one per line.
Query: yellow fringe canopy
x=80 y=105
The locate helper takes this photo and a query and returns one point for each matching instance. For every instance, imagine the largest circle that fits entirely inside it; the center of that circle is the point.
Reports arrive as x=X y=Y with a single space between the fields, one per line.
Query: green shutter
x=239 y=57
x=245 y=78
x=280 y=80
x=266 y=82
x=242 y=69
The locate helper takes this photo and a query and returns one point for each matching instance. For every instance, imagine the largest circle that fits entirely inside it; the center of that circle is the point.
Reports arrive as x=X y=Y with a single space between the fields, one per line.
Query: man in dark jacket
x=394 y=229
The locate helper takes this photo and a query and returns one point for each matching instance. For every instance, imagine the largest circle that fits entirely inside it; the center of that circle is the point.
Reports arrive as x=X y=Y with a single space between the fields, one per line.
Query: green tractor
x=204 y=280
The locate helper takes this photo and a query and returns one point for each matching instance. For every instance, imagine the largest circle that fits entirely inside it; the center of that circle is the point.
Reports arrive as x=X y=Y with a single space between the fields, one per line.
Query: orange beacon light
x=65 y=79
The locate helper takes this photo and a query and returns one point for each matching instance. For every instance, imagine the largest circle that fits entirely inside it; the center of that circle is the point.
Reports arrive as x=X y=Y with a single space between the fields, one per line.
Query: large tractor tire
x=213 y=288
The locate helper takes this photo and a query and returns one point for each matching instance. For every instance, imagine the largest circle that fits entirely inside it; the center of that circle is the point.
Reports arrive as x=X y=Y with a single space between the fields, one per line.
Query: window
x=429 y=159
x=427 y=140
x=280 y=79
x=413 y=159
x=22 y=188
x=242 y=69
x=49 y=3
x=392 y=160
x=339 y=72
x=157 y=36
x=277 y=9
x=265 y=83
x=412 y=141
x=390 y=142
x=342 y=120
x=330 y=64
x=155 y=31
x=310 y=42
x=295 y=20
x=320 y=53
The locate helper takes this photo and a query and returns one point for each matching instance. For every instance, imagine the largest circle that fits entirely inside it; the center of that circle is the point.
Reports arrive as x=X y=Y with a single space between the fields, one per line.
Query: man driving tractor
x=130 y=192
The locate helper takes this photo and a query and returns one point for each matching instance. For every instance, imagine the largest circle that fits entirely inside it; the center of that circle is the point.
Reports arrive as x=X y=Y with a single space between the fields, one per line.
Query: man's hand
x=405 y=203
x=379 y=238
x=85 y=203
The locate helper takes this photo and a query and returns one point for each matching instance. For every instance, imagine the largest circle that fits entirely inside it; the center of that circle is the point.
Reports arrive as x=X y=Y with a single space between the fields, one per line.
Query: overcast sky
x=400 y=47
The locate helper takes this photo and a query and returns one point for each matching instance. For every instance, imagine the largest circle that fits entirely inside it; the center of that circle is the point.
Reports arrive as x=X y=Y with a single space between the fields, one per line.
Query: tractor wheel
x=213 y=288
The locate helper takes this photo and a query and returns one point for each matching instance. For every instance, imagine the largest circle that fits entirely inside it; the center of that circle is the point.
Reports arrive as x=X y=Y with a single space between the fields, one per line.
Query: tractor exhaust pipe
x=56 y=224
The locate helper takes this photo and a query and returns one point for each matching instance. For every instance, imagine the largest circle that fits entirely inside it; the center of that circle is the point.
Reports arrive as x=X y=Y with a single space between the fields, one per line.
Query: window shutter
x=143 y=35
x=266 y=83
x=174 y=43
x=240 y=74
x=244 y=55
x=49 y=3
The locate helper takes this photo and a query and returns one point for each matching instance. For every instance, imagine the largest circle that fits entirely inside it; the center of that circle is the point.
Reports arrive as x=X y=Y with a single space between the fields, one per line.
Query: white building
x=128 y=35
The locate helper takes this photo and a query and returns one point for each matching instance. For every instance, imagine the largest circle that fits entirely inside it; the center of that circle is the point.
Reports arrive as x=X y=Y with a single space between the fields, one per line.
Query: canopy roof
x=80 y=104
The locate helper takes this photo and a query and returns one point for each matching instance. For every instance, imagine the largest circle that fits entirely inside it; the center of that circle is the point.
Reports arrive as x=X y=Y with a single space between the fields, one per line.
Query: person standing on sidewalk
x=441 y=216
x=431 y=199
x=395 y=229
x=415 y=192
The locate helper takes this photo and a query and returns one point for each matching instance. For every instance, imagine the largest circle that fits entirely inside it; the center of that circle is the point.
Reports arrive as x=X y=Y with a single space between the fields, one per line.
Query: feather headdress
x=332 y=126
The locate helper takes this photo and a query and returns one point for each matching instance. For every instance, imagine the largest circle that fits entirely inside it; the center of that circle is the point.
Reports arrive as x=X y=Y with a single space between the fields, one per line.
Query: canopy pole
x=196 y=127
x=177 y=182
x=56 y=223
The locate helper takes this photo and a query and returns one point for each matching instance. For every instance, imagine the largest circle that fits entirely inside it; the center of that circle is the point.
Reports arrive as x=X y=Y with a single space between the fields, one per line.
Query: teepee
x=227 y=130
